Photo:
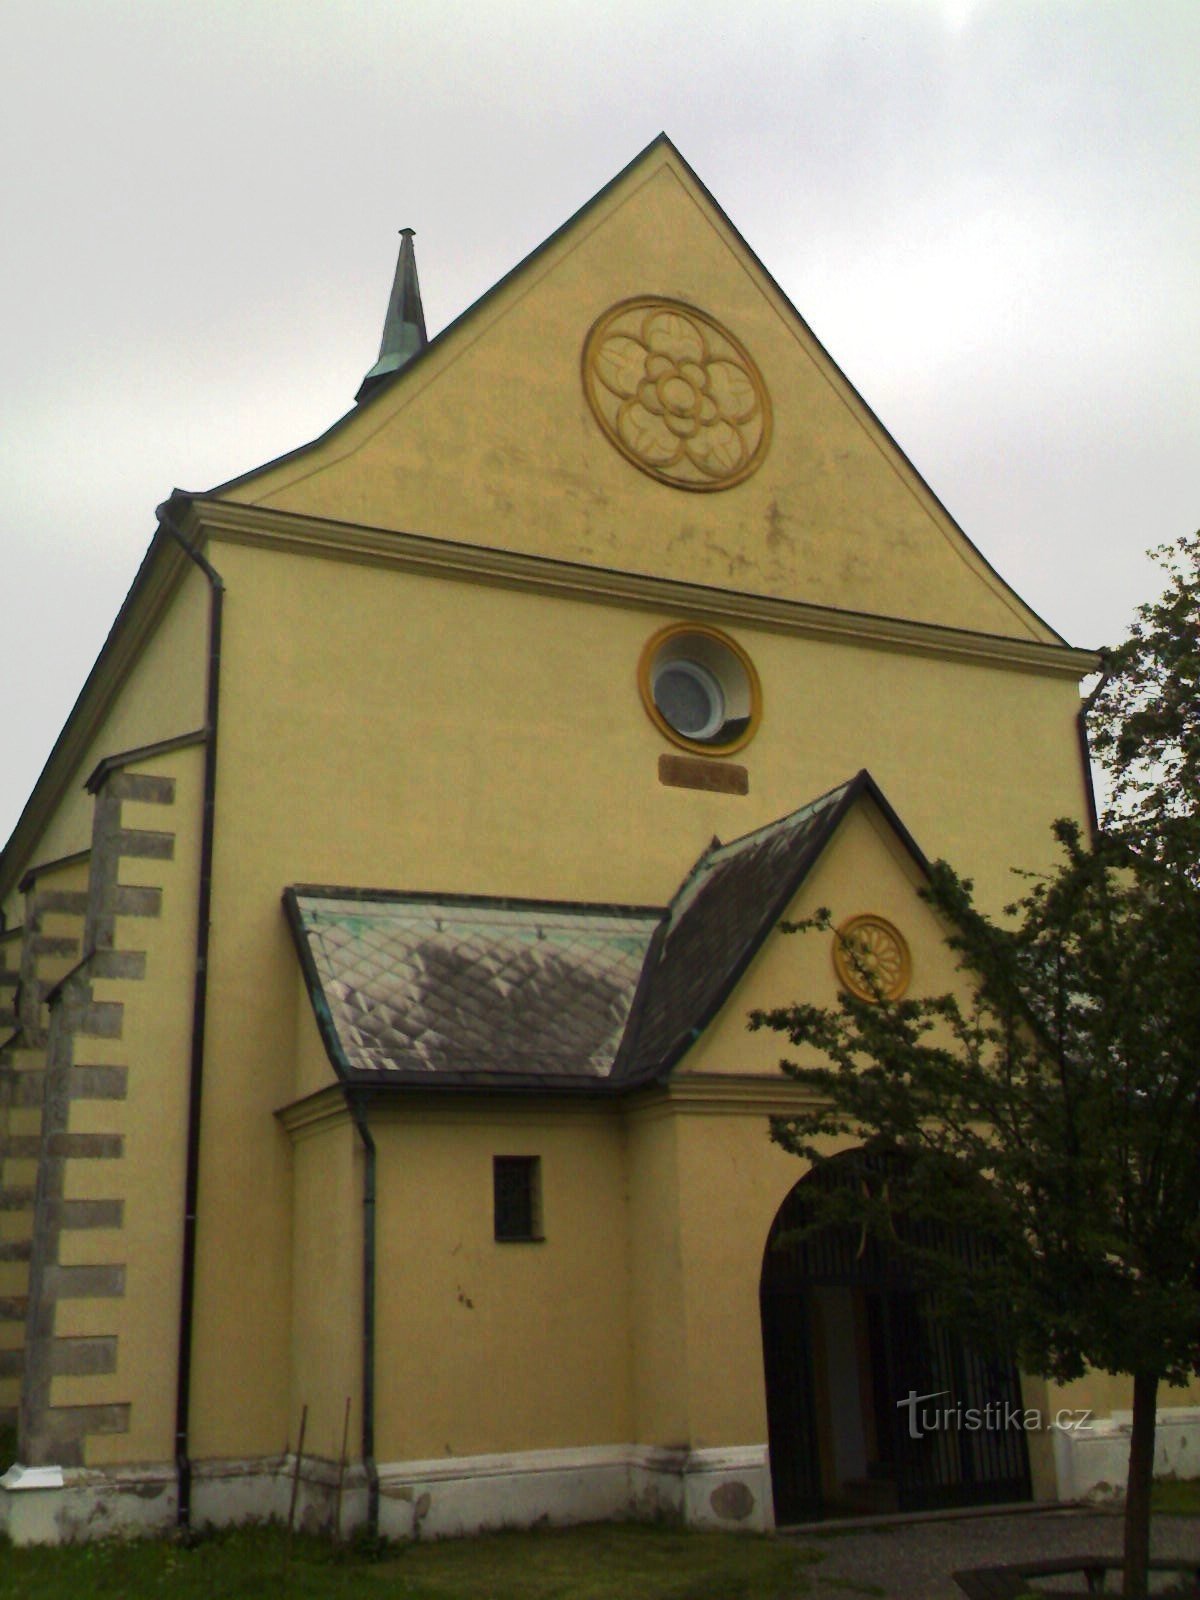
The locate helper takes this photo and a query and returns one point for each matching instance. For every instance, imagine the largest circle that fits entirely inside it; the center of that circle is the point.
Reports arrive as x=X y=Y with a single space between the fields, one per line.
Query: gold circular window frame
x=851 y=978
x=596 y=336
x=646 y=686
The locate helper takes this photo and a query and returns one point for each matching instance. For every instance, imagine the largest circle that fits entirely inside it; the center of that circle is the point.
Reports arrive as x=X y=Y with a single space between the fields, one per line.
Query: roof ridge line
x=807 y=809
x=716 y=850
x=435 y=897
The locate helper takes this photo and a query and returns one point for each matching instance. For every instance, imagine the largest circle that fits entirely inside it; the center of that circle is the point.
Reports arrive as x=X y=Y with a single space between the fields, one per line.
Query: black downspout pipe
x=359 y=1114
x=1085 y=753
x=187 y=1296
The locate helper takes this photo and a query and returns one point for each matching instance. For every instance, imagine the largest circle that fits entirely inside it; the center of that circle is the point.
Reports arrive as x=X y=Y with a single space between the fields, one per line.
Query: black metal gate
x=938 y=1418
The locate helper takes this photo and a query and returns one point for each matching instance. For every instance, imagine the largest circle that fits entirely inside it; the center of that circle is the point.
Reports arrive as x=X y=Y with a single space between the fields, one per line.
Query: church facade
x=380 y=936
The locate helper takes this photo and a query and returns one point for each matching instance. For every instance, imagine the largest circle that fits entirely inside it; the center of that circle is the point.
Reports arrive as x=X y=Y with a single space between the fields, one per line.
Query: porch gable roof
x=463 y=991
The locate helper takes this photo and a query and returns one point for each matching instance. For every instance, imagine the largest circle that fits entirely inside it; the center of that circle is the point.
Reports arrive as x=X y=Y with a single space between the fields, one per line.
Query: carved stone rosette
x=677 y=394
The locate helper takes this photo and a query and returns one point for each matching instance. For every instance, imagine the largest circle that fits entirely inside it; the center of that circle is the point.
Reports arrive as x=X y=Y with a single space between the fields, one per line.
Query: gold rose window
x=676 y=394
x=871 y=958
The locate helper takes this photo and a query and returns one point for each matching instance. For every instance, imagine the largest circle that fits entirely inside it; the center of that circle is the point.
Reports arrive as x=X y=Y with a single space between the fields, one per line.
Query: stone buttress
x=66 y=1082
x=34 y=956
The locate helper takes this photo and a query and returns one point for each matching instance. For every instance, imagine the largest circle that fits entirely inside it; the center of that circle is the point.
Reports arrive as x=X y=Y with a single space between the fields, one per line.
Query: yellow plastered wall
x=1106 y=1392
x=327 y=1258
x=385 y=730
x=388 y=729
x=154 y=1045
x=487 y=1346
x=732 y=1181
x=489 y=438
x=657 y=1337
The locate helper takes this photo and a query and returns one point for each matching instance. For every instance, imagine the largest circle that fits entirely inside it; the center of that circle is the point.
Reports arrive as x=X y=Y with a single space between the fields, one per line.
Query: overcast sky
x=988 y=211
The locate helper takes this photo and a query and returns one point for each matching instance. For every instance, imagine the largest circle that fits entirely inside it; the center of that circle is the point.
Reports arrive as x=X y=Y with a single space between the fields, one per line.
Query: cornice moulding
x=718 y=1093
x=467 y=563
x=723 y=1094
x=316 y=1112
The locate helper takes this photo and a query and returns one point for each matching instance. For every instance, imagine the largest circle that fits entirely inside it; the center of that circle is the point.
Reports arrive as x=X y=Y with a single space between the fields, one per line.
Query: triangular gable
x=868 y=875
x=503 y=432
x=724 y=913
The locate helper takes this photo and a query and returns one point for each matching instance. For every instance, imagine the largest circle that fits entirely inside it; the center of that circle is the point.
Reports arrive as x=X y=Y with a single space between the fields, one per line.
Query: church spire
x=404 y=333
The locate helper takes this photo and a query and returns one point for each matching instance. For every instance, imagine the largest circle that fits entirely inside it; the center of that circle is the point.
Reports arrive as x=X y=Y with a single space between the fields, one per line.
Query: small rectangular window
x=517 y=1191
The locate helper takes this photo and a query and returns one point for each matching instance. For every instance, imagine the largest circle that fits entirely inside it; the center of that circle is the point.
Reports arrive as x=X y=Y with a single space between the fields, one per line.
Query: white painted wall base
x=68 y=1505
x=715 y=1488
x=1092 y=1463
x=64 y=1505
x=721 y=1488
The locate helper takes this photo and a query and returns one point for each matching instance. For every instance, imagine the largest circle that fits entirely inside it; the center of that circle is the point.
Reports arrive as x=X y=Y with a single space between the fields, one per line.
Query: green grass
x=1178 y=1497
x=595 y=1563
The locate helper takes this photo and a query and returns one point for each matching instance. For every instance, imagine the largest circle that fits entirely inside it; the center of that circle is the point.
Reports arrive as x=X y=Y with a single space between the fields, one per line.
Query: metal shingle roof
x=451 y=988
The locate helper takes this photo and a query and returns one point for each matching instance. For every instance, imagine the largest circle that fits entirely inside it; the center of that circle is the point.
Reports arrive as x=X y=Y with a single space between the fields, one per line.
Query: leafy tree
x=1145 y=718
x=1053 y=1106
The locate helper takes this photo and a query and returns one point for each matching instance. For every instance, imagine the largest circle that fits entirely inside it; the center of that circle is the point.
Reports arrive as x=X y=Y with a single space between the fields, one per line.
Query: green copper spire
x=404 y=333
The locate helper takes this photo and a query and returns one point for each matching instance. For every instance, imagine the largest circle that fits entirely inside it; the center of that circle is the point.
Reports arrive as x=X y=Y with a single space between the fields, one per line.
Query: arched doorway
x=848 y=1339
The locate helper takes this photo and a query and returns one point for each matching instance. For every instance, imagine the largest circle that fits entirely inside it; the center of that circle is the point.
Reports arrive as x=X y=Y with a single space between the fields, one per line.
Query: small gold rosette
x=871 y=958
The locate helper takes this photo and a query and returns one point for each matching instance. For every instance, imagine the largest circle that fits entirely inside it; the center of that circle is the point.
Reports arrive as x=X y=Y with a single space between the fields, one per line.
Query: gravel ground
x=914 y=1561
